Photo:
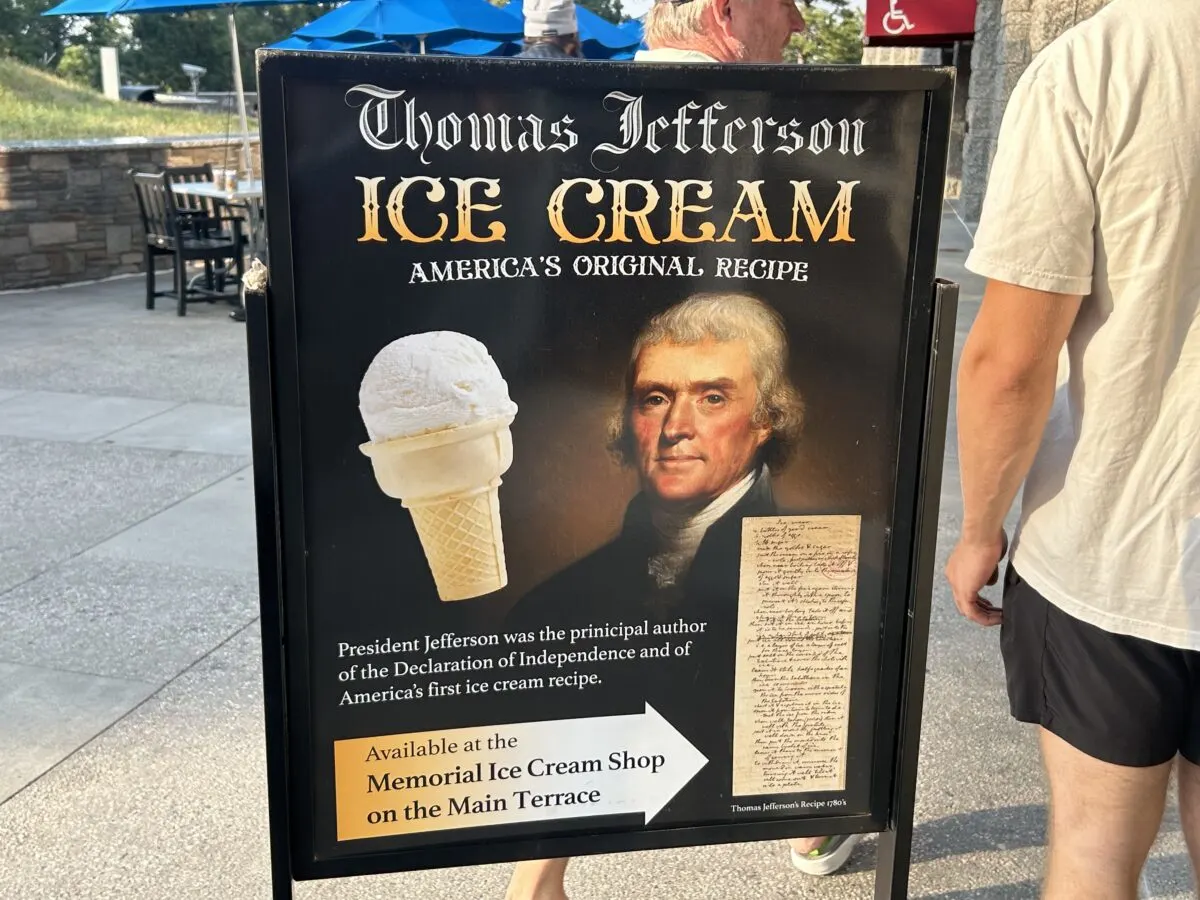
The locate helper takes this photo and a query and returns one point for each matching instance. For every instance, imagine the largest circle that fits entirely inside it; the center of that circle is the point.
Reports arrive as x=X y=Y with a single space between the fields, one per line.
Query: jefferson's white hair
x=725 y=317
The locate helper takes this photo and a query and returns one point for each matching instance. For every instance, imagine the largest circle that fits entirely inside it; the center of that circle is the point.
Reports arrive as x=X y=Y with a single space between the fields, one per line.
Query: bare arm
x=1006 y=381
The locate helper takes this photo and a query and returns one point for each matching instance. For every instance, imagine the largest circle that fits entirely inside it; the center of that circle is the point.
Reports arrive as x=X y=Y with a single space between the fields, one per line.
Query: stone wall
x=68 y=211
x=964 y=72
x=1008 y=34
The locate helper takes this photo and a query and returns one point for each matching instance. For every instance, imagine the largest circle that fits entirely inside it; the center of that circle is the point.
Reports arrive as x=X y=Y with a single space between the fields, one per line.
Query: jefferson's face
x=692 y=408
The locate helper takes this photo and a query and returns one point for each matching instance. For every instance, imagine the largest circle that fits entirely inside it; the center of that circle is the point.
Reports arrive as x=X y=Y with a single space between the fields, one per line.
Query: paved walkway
x=131 y=748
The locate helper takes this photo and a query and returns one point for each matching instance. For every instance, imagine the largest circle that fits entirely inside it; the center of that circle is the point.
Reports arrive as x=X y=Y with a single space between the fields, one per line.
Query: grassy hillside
x=35 y=105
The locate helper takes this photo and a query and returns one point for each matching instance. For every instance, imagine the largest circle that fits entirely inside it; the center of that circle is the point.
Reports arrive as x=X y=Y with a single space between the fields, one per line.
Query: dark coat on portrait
x=694 y=692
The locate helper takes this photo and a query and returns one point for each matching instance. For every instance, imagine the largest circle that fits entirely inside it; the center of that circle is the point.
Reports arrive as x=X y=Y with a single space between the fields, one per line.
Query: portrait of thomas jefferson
x=707 y=411
x=705 y=414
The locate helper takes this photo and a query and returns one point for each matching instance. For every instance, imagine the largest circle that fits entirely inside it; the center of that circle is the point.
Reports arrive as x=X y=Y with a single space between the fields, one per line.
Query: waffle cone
x=464 y=544
x=449 y=481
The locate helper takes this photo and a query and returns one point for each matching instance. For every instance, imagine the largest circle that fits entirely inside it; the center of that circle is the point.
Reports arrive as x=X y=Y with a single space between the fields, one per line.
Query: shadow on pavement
x=1022 y=890
x=979 y=831
x=983 y=830
x=1164 y=876
x=1168 y=875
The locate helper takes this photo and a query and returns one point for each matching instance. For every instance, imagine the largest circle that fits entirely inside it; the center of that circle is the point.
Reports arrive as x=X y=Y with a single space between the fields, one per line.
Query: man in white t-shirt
x=1081 y=377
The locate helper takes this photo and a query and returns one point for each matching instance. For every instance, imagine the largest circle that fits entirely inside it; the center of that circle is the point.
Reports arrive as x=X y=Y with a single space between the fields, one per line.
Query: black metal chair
x=198 y=205
x=173 y=227
x=193 y=203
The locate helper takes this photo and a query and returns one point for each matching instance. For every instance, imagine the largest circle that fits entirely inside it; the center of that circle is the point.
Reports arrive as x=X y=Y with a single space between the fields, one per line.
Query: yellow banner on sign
x=506 y=774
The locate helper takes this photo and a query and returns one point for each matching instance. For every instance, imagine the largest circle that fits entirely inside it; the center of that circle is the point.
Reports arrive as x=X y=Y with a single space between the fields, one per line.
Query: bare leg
x=1189 y=809
x=538 y=879
x=1103 y=821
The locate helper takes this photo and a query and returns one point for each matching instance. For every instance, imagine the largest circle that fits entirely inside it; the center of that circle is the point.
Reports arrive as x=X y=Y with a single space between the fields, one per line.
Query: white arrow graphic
x=506 y=774
x=653 y=763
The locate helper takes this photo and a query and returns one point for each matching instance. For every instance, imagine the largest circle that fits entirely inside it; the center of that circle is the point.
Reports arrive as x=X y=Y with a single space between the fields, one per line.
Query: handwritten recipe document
x=791 y=708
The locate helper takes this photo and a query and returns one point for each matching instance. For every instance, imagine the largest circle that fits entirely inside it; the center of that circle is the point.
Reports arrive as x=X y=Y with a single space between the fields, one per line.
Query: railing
x=213 y=101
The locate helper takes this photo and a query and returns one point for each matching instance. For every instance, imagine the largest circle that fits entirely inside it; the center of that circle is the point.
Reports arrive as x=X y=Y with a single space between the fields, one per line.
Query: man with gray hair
x=720 y=31
x=707 y=412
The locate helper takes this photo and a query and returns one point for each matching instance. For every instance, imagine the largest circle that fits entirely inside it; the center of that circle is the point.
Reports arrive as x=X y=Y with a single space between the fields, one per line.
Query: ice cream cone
x=449 y=481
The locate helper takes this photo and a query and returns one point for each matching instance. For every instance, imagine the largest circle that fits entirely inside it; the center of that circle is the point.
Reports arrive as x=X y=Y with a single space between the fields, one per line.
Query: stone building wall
x=1008 y=34
x=901 y=56
x=68 y=211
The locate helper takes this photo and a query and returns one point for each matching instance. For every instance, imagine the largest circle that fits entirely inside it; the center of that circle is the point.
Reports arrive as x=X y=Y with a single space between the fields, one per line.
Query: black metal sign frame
x=273 y=349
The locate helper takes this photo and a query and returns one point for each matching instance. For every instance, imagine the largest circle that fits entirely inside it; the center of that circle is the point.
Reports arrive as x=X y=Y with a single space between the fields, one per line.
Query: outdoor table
x=248 y=193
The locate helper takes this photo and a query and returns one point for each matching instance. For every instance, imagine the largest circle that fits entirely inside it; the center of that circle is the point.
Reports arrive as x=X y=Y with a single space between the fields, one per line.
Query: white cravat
x=680 y=534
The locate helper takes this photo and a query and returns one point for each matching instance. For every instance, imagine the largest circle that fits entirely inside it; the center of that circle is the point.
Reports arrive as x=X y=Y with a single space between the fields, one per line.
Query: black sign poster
x=589 y=408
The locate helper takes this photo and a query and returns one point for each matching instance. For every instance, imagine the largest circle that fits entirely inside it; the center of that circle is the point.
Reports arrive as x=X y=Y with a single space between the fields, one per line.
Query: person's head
x=753 y=31
x=552 y=22
x=567 y=43
x=707 y=399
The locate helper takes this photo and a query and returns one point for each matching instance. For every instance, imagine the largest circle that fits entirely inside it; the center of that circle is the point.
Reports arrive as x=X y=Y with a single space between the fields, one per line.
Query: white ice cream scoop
x=430 y=381
x=438 y=413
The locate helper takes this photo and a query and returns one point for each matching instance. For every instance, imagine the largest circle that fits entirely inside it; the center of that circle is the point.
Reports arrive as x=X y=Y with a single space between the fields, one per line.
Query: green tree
x=30 y=37
x=605 y=9
x=161 y=43
x=78 y=63
x=833 y=34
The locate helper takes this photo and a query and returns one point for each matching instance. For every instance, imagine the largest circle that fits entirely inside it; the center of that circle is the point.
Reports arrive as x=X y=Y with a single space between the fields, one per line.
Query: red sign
x=917 y=21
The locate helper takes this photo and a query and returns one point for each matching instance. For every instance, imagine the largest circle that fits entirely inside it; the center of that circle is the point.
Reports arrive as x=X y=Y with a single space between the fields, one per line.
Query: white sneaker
x=827 y=858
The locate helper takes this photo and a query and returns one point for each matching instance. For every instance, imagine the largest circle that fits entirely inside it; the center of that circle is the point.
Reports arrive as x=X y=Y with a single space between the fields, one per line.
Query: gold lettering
x=370 y=209
x=757 y=214
x=436 y=192
x=803 y=205
x=679 y=207
x=491 y=190
x=621 y=211
x=554 y=209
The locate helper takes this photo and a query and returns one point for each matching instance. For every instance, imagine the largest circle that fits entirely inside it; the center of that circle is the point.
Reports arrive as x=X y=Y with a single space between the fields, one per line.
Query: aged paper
x=791 y=709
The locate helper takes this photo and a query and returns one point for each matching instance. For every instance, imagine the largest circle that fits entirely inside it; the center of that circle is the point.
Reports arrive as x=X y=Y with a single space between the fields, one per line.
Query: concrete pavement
x=131 y=748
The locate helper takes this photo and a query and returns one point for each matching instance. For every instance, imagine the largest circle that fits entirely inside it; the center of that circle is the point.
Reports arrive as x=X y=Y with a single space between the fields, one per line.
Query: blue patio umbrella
x=634 y=30
x=135 y=7
x=466 y=47
x=82 y=8
x=601 y=31
x=448 y=20
x=298 y=43
x=477 y=47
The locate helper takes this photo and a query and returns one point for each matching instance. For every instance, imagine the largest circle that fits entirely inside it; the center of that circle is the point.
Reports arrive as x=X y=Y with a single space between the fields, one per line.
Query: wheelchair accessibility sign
x=895 y=20
x=920 y=22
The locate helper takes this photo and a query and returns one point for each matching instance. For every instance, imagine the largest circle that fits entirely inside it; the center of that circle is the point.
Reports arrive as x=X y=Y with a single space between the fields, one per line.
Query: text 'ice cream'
x=438 y=413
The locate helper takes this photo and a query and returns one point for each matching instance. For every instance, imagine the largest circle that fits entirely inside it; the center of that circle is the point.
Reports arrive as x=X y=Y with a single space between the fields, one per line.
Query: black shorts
x=1120 y=699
